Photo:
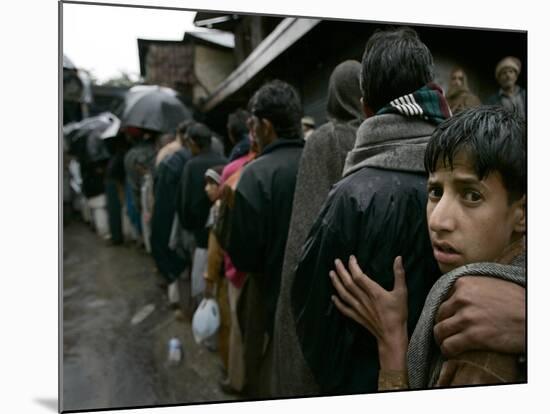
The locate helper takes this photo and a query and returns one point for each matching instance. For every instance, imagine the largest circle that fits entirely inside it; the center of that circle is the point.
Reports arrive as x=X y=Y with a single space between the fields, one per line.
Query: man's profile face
x=469 y=220
x=230 y=134
x=260 y=132
x=457 y=79
x=190 y=144
x=507 y=77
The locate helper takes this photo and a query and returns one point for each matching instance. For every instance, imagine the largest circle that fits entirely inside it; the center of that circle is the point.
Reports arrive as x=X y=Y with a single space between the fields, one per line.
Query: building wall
x=212 y=66
x=249 y=33
x=315 y=94
x=170 y=65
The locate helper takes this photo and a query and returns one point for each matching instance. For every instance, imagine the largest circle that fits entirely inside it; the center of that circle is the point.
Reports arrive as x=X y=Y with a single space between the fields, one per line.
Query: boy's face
x=470 y=220
x=211 y=189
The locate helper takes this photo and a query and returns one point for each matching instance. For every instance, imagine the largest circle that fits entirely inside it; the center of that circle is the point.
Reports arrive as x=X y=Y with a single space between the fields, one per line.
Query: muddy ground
x=109 y=363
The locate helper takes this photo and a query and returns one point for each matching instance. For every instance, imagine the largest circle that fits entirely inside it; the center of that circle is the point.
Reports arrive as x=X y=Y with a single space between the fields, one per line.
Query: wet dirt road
x=110 y=363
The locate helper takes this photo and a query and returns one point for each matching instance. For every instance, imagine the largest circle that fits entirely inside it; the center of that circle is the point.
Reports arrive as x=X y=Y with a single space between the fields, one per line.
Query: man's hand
x=482 y=313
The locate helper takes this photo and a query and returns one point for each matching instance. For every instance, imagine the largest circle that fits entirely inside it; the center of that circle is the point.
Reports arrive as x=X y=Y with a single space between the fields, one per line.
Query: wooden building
x=193 y=66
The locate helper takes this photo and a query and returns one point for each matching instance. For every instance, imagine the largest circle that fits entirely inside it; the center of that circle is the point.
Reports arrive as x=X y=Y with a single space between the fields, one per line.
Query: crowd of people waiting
x=385 y=252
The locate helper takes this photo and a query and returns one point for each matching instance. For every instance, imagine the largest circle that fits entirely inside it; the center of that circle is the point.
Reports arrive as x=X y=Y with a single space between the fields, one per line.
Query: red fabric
x=236 y=165
x=236 y=277
x=134 y=131
x=230 y=177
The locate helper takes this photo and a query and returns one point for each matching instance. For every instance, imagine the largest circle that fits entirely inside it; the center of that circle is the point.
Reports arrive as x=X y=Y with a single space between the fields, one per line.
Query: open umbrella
x=84 y=139
x=153 y=107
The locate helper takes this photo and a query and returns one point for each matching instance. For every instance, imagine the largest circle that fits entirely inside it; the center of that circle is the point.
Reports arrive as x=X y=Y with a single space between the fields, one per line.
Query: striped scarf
x=427 y=103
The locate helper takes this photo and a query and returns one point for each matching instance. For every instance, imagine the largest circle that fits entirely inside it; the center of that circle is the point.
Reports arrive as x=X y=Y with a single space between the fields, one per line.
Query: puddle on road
x=142 y=314
x=98 y=303
x=67 y=292
x=116 y=327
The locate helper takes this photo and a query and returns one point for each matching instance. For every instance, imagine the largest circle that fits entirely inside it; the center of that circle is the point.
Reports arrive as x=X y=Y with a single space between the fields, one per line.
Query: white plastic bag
x=206 y=320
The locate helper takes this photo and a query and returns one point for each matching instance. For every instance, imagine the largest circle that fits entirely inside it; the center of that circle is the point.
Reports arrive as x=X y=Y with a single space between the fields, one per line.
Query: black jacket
x=167 y=179
x=193 y=204
x=376 y=215
x=261 y=216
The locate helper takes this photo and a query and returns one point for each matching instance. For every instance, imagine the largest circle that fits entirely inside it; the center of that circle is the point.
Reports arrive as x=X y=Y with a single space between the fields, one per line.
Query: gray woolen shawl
x=320 y=167
x=424 y=359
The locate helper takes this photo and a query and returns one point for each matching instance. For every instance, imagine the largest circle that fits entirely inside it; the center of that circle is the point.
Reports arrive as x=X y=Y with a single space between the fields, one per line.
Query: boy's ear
x=520 y=215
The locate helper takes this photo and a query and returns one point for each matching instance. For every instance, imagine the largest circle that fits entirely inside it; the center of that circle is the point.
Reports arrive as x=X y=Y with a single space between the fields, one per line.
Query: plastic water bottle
x=174 y=351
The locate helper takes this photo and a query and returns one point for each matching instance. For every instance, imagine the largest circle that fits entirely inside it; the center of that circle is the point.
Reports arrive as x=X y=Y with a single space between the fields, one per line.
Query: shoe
x=174 y=306
x=162 y=284
x=179 y=315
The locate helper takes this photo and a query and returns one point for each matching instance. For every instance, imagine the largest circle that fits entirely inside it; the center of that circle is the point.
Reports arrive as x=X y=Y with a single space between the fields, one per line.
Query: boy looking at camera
x=476 y=214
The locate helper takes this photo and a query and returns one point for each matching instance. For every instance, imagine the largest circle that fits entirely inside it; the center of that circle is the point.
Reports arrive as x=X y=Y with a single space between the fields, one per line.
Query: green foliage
x=123 y=80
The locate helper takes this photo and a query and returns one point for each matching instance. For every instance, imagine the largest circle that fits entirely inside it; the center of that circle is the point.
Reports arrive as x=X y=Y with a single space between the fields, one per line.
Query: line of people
x=422 y=192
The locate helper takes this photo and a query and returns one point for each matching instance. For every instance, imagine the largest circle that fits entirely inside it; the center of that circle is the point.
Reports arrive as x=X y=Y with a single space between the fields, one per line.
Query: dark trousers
x=114 y=210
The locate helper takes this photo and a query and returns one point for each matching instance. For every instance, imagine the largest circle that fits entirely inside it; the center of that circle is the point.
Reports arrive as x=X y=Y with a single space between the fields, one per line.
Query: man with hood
x=320 y=167
x=260 y=221
x=376 y=212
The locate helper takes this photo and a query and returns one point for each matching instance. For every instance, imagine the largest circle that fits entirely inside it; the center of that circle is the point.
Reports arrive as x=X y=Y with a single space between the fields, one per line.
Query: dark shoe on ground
x=179 y=315
x=174 y=306
x=161 y=283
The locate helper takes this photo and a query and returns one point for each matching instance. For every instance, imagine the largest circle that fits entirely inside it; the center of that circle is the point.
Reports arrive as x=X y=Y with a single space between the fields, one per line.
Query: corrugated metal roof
x=220 y=21
x=289 y=31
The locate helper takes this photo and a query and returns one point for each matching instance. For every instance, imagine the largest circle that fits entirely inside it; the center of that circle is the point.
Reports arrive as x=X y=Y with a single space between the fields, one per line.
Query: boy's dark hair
x=279 y=102
x=236 y=123
x=493 y=138
x=395 y=63
x=200 y=134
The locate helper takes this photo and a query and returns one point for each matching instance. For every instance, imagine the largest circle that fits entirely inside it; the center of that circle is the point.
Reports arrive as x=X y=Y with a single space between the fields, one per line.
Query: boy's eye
x=472 y=196
x=435 y=192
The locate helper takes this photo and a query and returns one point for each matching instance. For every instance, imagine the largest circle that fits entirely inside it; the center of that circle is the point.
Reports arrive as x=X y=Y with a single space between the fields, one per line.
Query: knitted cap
x=508 y=62
x=214 y=173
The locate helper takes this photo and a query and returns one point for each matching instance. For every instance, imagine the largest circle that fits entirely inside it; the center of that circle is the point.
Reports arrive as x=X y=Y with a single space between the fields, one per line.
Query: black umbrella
x=84 y=139
x=153 y=107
